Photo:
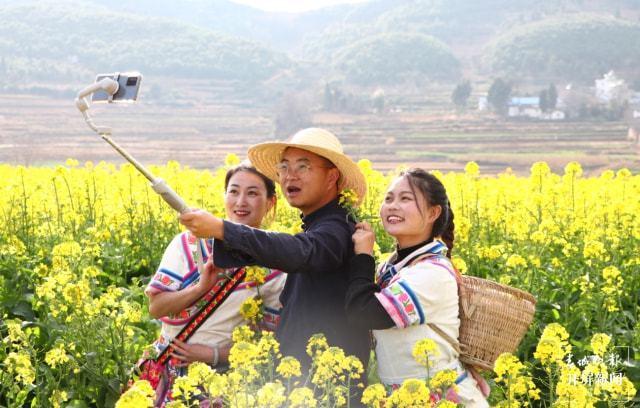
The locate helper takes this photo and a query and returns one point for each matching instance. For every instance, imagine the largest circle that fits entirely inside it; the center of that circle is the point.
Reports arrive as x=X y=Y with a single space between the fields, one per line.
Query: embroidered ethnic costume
x=178 y=271
x=415 y=288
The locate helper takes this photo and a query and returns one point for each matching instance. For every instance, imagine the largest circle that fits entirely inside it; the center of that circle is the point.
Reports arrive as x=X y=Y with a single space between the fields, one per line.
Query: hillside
x=70 y=40
x=469 y=27
x=63 y=40
x=280 y=31
x=407 y=56
x=578 y=47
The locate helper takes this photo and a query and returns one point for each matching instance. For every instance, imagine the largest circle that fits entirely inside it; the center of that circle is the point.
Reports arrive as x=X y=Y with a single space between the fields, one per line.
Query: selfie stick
x=158 y=185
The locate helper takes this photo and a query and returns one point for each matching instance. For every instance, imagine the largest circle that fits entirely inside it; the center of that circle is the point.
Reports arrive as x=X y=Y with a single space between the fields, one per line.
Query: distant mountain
x=579 y=47
x=281 y=31
x=466 y=26
x=65 y=39
x=395 y=58
x=219 y=39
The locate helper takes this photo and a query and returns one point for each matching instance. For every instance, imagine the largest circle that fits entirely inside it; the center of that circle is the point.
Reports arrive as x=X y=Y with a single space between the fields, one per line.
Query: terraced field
x=217 y=119
x=448 y=143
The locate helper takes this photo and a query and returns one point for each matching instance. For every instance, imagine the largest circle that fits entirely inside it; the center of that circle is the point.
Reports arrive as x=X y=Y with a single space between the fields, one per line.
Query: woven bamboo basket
x=493 y=320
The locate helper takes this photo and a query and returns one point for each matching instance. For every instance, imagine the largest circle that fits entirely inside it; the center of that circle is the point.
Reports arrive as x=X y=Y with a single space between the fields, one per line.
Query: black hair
x=268 y=183
x=434 y=193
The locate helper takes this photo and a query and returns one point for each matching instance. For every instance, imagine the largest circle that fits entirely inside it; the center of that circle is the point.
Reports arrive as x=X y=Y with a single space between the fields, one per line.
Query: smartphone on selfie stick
x=123 y=87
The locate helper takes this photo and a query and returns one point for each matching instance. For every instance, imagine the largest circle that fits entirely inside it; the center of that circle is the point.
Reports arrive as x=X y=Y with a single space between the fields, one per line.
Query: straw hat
x=265 y=156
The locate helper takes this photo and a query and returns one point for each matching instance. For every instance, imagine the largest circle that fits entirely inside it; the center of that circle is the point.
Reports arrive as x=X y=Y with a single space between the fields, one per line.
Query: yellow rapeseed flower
x=573 y=169
x=443 y=380
x=58 y=397
x=65 y=253
x=507 y=365
x=267 y=348
x=251 y=309
x=241 y=358
x=271 y=394
x=185 y=388
x=424 y=350
x=200 y=373
x=333 y=366
x=472 y=169
x=540 y=170
x=553 y=345
x=15 y=333
x=374 y=396
x=621 y=389
x=317 y=345
x=594 y=250
x=20 y=365
x=302 y=397
x=256 y=274
x=289 y=367
x=516 y=261
x=348 y=198
x=412 y=393
x=231 y=160
x=600 y=343
x=140 y=395
x=56 y=356
x=242 y=333
x=459 y=264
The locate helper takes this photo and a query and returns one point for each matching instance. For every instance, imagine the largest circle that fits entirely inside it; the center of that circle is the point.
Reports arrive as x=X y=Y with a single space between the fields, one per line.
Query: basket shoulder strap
x=453 y=342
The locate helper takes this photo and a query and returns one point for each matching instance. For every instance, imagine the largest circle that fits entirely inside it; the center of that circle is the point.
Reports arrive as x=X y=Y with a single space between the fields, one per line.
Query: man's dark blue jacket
x=316 y=262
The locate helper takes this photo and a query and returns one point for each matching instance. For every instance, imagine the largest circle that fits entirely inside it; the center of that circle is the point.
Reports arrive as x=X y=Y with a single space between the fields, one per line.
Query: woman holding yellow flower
x=177 y=291
x=415 y=294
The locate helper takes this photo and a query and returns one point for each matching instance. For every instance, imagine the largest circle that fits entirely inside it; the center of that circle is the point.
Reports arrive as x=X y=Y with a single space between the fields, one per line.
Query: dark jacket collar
x=332 y=207
x=404 y=252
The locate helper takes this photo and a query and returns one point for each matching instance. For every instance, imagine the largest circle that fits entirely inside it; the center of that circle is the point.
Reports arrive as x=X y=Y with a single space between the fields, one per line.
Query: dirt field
x=38 y=130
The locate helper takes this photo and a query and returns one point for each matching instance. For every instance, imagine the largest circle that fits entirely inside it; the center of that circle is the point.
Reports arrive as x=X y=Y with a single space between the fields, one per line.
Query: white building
x=524 y=106
x=483 y=104
x=610 y=88
x=553 y=115
x=529 y=107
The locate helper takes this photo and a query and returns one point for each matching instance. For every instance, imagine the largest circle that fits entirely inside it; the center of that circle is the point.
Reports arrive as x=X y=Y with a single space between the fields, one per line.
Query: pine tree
x=498 y=96
x=552 y=96
x=461 y=94
x=544 y=100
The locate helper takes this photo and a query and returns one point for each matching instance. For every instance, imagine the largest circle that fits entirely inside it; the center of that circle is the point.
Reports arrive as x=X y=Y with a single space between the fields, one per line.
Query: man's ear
x=334 y=176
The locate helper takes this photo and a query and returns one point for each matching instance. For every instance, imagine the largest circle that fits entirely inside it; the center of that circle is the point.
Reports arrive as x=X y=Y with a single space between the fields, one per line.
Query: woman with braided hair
x=415 y=293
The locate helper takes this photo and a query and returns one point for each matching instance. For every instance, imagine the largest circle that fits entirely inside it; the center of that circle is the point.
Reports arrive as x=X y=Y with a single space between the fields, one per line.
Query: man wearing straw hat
x=312 y=171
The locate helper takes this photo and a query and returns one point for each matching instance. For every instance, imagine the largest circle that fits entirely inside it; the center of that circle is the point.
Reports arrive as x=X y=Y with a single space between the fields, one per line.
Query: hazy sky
x=293 y=5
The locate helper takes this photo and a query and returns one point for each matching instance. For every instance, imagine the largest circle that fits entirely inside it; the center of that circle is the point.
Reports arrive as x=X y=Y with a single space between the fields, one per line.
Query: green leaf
x=77 y=404
x=23 y=309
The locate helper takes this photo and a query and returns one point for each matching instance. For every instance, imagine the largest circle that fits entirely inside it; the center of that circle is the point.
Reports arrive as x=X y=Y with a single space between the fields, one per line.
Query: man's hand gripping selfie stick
x=158 y=185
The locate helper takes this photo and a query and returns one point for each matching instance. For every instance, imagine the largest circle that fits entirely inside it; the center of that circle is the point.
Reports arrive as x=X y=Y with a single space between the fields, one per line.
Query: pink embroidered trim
x=391 y=309
x=175 y=322
x=187 y=252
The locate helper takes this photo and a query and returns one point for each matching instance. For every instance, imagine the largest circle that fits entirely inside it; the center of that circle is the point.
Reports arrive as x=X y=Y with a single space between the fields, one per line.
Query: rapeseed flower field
x=78 y=243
